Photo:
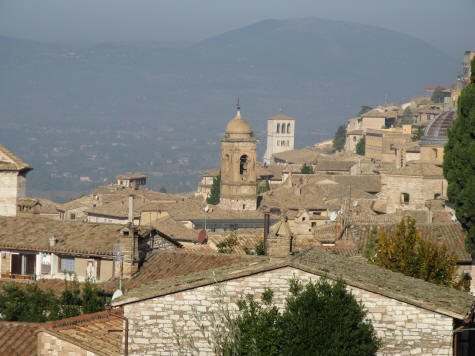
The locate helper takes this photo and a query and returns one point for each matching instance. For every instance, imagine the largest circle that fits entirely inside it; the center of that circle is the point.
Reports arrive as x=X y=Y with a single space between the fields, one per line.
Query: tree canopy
x=340 y=138
x=406 y=252
x=306 y=169
x=215 y=194
x=32 y=304
x=321 y=318
x=364 y=109
x=459 y=163
x=361 y=146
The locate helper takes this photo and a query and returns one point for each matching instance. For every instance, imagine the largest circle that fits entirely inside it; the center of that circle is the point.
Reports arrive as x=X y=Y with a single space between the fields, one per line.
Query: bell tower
x=238 y=165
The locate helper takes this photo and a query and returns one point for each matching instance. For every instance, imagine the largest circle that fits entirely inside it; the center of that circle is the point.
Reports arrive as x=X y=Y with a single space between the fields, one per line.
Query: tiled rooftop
x=100 y=333
x=18 y=338
x=33 y=233
x=353 y=271
x=10 y=162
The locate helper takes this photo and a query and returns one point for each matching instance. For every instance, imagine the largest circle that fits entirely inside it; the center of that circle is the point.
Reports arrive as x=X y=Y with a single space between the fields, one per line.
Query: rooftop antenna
x=238 y=107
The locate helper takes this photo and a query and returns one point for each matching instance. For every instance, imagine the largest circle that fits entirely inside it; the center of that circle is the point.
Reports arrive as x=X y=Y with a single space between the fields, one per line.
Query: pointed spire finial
x=238 y=107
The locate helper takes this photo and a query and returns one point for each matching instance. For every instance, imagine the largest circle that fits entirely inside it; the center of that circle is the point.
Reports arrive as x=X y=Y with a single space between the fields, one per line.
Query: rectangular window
x=66 y=264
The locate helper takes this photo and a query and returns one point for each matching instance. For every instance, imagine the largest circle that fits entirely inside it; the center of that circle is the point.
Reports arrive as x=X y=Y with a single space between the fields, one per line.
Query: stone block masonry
x=404 y=328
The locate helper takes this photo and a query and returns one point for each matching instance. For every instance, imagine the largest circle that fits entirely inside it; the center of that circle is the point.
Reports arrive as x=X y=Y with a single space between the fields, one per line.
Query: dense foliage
x=262 y=188
x=407 y=117
x=31 y=304
x=361 y=146
x=459 y=163
x=418 y=134
x=215 y=191
x=364 y=109
x=406 y=252
x=306 y=169
x=322 y=318
x=340 y=138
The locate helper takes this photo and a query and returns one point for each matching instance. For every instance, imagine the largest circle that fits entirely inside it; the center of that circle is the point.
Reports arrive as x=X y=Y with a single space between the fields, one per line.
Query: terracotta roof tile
x=100 y=333
x=18 y=338
x=33 y=233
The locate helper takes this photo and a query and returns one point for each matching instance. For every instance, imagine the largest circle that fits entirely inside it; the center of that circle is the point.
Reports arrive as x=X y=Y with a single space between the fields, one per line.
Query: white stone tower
x=238 y=166
x=280 y=136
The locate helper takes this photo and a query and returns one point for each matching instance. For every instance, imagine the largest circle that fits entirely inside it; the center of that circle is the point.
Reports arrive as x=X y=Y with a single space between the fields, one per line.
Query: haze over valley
x=159 y=108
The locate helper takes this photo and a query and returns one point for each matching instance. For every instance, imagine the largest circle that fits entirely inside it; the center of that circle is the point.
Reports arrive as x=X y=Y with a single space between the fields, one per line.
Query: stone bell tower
x=238 y=165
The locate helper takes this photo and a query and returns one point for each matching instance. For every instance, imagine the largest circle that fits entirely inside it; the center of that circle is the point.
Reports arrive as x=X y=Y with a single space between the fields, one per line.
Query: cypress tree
x=459 y=162
x=215 y=191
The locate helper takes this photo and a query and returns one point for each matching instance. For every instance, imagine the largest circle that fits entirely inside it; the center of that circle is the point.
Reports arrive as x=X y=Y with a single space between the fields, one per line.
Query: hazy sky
x=448 y=25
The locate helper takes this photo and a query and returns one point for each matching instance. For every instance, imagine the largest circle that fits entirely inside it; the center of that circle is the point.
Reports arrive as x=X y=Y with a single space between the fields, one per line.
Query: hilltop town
x=251 y=223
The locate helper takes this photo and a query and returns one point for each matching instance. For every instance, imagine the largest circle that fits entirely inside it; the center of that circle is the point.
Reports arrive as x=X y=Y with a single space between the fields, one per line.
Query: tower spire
x=238 y=107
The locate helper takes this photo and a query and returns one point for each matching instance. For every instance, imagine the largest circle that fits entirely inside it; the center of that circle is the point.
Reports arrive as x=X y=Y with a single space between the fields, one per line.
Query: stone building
x=132 y=180
x=12 y=181
x=413 y=317
x=280 y=136
x=381 y=144
x=412 y=186
x=467 y=59
x=238 y=166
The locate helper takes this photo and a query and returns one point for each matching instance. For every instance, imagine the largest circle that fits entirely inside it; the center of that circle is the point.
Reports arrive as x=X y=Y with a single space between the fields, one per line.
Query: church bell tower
x=238 y=165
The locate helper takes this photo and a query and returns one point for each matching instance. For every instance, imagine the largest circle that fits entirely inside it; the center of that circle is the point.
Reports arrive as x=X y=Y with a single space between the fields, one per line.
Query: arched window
x=243 y=164
x=278 y=128
x=288 y=128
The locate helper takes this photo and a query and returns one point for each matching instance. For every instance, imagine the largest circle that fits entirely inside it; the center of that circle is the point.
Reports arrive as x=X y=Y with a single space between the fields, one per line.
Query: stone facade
x=51 y=345
x=12 y=187
x=404 y=328
x=280 y=136
x=419 y=190
x=238 y=166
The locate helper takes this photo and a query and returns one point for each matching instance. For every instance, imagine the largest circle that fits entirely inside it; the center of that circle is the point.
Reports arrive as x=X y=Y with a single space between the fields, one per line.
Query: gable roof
x=100 y=333
x=17 y=338
x=10 y=162
x=33 y=233
x=353 y=271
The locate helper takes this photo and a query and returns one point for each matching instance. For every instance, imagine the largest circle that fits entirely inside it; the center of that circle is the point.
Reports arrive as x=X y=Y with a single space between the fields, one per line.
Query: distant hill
x=161 y=107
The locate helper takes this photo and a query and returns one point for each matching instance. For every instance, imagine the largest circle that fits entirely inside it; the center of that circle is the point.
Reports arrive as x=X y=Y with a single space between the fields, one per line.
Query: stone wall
x=420 y=189
x=405 y=329
x=9 y=186
x=51 y=345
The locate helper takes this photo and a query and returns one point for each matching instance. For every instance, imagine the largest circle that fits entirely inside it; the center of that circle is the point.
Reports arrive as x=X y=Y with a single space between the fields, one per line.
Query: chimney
x=52 y=241
x=131 y=210
x=279 y=243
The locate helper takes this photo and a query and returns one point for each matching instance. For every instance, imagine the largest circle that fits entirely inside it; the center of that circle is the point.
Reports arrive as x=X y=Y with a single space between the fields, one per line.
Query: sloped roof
x=100 y=333
x=33 y=233
x=334 y=165
x=131 y=176
x=353 y=271
x=10 y=162
x=17 y=338
x=166 y=264
x=281 y=117
x=175 y=229
x=415 y=168
x=305 y=155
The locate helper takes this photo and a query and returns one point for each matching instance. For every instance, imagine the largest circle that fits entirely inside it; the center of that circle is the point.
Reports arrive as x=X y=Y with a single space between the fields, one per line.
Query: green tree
x=406 y=252
x=262 y=188
x=407 y=117
x=70 y=300
x=306 y=169
x=92 y=301
x=438 y=95
x=364 y=109
x=459 y=163
x=340 y=138
x=163 y=189
x=418 y=134
x=322 y=318
x=361 y=146
x=215 y=191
